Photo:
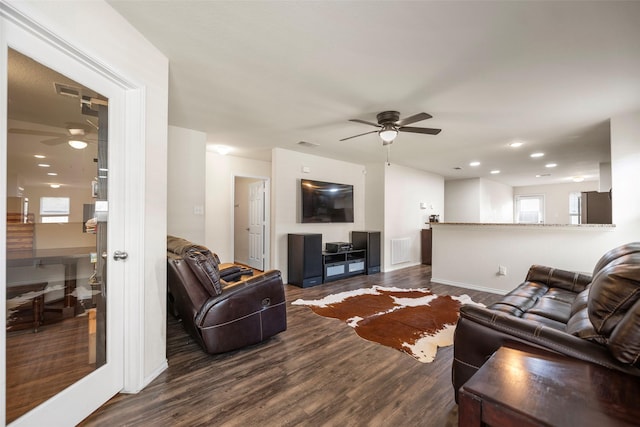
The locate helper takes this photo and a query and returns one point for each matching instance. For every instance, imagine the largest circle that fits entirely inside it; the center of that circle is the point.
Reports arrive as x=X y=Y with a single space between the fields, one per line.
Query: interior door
x=65 y=207
x=256 y=224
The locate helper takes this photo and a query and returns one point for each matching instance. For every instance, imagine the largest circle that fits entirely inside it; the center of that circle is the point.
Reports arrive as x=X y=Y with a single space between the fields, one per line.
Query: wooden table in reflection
x=69 y=257
x=537 y=388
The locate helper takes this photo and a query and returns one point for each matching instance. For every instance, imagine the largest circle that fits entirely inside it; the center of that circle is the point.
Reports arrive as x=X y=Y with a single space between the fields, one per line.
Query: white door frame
x=267 y=216
x=127 y=124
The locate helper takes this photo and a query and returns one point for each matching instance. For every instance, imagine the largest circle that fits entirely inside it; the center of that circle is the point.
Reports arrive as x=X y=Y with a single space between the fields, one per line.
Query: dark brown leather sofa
x=222 y=316
x=592 y=318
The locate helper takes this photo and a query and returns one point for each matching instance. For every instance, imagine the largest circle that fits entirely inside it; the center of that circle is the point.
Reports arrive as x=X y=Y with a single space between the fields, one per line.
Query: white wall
x=496 y=202
x=136 y=60
x=405 y=190
x=461 y=201
x=467 y=255
x=556 y=198
x=286 y=174
x=220 y=173
x=477 y=200
x=374 y=197
x=186 y=184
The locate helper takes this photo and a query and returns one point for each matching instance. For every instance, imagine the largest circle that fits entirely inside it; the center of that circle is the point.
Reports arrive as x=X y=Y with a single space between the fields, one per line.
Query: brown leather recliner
x=592 y=318
x=222 y=316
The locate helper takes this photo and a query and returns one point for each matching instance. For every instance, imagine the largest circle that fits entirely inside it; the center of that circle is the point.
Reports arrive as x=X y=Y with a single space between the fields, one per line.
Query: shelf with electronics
x=339 y=265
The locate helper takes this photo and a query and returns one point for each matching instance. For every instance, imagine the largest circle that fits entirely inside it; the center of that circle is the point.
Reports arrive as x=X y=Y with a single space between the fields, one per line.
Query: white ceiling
x=264 y=74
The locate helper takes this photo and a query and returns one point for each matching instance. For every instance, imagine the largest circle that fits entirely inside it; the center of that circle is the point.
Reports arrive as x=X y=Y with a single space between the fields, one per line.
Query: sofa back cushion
x=614 y=301
x=205 y=268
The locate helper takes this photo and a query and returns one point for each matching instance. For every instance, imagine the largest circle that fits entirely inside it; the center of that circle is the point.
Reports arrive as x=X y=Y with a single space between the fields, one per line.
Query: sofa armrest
x=557 y=278
x=242 y=298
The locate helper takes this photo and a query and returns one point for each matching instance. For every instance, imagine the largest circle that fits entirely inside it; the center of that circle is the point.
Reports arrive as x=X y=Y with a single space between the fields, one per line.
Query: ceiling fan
x=77 y=136
x=389 y=124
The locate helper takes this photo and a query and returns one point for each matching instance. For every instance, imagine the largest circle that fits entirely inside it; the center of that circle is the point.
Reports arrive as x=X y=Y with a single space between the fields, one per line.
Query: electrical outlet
x=502 y=270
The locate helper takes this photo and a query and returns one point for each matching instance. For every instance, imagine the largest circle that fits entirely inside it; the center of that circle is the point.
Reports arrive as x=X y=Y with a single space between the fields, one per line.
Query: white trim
x=130 y=104
x=3 y=210
x=134 y=243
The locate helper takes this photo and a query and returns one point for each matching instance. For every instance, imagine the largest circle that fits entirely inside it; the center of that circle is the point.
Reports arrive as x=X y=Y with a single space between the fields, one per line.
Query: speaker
x=370 y=241
x=305 y=259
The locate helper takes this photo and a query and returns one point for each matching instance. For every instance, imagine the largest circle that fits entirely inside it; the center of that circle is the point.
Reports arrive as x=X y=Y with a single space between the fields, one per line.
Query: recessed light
x=39 y=156
x=516 y=144
x=44 y=165
x=535 y=155
x=221 y=149
x=52 y=174
x=550 y=165
x=494 y=172
x=54 y=185
x=474 y=163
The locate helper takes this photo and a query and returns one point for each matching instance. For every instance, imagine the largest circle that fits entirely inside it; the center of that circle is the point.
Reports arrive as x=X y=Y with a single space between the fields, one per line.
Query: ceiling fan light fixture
x=77 y=144
x=388 y=133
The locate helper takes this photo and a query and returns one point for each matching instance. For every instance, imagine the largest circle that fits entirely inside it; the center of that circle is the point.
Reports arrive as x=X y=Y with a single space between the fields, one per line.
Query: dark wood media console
x=338 y=265
x=309 y=265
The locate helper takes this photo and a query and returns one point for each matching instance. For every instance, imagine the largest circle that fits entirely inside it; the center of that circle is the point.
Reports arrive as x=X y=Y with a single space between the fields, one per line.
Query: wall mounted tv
x=326 y=201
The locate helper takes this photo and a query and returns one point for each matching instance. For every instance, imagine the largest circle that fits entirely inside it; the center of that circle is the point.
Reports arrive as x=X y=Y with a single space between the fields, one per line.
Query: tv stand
x=339 y=265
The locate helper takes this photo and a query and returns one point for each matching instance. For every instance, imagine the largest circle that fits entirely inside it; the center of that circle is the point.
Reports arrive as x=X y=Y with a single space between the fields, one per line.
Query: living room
x=199 y=201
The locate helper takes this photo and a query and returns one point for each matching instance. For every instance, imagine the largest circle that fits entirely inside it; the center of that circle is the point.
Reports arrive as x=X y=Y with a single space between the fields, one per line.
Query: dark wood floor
x=317 y=373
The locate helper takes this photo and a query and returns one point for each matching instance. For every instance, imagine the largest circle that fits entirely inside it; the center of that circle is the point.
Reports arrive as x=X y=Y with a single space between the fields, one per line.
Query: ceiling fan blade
x=365 y=122
x=428 y=131
x=355 y=136
x=55 y=141
x=35 y=132
x=412 y=119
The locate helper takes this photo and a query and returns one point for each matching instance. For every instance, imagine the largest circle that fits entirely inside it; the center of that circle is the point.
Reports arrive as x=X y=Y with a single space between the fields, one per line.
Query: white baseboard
x=468 y=286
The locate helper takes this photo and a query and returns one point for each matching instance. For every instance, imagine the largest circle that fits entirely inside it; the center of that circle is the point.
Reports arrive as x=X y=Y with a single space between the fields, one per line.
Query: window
x=575 y=200
x=54 y=209
x=530 y=209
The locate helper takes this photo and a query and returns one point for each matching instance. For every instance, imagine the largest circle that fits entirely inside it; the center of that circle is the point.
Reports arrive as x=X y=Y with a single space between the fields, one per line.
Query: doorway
x=53 y=191
x=251 y=222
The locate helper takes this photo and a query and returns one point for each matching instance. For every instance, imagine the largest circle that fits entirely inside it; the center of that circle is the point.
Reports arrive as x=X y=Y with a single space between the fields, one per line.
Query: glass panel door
x=56 y=238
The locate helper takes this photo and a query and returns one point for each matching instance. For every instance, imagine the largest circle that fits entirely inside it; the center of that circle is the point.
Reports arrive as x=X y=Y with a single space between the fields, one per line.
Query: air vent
x=308 y=144
x=66 y=90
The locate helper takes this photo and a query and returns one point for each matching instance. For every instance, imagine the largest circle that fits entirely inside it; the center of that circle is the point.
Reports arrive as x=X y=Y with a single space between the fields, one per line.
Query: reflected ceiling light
x=76 y=132
x=535 y=155
x=77 y=144
x=516 y=144
x=44 y=165
x=54 y=185
x=39 y=156
x=474 y=164
x=550 y=165
x=494 y=172
x=52 y=174
x=578 y=179
x=388 y=133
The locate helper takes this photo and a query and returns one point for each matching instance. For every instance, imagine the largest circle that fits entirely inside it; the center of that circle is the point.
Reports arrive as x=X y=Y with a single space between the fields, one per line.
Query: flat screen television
x=326 y=201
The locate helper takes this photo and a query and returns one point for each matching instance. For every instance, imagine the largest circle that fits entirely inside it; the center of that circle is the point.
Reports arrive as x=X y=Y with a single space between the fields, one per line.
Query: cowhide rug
x=414 y=321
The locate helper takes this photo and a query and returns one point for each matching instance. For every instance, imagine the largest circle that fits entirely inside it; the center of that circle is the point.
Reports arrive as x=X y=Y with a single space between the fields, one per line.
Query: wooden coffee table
x=537 y=388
